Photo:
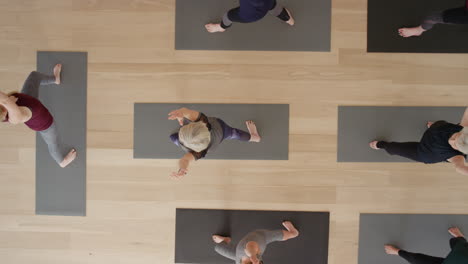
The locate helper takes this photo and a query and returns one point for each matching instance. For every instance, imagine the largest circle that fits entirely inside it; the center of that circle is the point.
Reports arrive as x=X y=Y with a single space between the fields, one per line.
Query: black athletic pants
x=416 y=258
x=450 y=16
x=408 y=150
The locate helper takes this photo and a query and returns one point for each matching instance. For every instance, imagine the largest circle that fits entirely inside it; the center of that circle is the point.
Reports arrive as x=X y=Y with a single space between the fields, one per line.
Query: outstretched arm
x=182 y=113
x=184 y=163
x=464 y=120
x=16 y=114
x=459 y=163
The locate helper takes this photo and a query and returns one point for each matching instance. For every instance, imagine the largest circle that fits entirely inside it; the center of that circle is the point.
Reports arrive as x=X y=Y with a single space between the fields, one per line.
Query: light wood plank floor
x=131 y=203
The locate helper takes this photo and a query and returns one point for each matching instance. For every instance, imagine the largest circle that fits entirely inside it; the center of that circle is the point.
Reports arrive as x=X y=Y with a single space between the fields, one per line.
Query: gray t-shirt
x=216 y=134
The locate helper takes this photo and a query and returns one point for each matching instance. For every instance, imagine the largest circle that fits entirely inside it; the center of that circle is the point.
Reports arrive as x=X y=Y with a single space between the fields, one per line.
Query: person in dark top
x=450 y=16
x=199 y=134
x=25 y=107
x=441 y=142
x=457 y=255
x=250 y=11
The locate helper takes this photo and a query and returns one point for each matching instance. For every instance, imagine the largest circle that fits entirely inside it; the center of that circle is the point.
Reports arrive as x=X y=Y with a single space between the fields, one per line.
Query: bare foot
x=429 y=124
x=391 y=250
x=68 y=158
x=291 y=19
x=254 y=136
x=410 y=32
x=219 y=239
x=455 y=232
x=57 y=71
x=213 y=28
x=290 y=227
x=373 y=144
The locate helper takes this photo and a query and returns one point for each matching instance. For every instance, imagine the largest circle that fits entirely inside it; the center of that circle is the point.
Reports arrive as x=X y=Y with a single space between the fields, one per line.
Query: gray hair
x=195 y=136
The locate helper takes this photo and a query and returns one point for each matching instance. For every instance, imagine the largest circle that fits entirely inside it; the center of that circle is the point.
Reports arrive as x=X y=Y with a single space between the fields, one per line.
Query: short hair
x=195 y=136
x=462 y=141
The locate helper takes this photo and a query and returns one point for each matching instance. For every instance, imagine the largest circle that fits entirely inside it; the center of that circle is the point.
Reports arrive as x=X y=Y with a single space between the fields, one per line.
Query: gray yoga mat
x=386 y=17
x=310 y=33
x=194 y=228
x=62 y=191
x=152 y=130
x=359 y=125
x=418 y=233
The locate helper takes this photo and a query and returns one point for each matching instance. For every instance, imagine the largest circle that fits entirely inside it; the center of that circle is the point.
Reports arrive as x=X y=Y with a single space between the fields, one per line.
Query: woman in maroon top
x=450 y=16
x=25 y=107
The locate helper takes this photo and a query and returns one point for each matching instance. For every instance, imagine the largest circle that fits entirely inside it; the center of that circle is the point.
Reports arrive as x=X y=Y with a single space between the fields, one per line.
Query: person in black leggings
x=450 y=16
x=441 y=142
x=250 y=11
x=457 y=255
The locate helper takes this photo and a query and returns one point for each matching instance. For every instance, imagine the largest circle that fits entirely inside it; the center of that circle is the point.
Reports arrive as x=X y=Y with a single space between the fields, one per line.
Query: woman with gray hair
x=442 y=142
x=198 y=134
x=252 y=246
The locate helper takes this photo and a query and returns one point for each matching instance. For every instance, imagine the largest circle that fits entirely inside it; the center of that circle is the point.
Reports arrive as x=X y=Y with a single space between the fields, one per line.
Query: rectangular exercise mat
x=417 y=233
x=310 y=33
x=194 y=228
x=62 y=191
x=359 y=125
x=152 y=130
x=386 y=17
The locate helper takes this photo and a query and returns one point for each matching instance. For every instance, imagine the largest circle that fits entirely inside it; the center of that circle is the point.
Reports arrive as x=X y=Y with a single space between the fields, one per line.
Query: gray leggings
x=226 y=250
x=51 y=137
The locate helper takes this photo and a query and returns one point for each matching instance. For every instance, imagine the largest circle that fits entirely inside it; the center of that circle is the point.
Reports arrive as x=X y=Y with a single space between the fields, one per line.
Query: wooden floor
x=131 y=203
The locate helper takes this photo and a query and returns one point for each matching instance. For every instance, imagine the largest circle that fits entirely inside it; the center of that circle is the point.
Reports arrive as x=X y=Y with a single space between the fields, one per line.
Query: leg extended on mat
x=404 y=149
x=51 y=137
x=248 y=13
x=450 y=16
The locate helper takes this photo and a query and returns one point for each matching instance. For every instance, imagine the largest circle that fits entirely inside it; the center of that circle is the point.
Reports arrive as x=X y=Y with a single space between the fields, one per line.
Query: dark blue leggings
x=233 y=133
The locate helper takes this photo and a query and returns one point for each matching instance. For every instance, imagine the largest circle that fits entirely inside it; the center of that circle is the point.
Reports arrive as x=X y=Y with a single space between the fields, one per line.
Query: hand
x=177 y=114
x=179 y=174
